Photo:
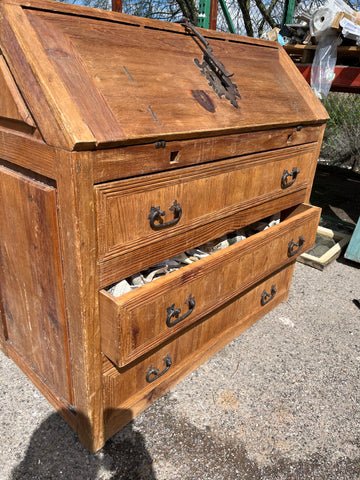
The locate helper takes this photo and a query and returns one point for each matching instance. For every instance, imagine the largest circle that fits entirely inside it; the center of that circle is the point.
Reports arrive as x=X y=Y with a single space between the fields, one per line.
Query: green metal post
x=204 y=14
x=289 y=9
x=227 y=16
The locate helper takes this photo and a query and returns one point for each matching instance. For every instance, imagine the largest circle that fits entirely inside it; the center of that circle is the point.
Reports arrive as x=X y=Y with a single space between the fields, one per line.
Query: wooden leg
x=76 y=216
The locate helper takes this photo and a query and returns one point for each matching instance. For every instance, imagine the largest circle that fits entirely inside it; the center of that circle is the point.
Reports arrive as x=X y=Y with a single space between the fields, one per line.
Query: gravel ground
x=280 y=402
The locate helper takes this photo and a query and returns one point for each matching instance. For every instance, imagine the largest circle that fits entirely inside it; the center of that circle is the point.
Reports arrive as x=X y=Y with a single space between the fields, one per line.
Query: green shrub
x=342 y=136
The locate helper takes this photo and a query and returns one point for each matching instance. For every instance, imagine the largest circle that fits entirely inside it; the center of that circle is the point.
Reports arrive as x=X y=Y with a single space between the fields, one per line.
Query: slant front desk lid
x=93 y=79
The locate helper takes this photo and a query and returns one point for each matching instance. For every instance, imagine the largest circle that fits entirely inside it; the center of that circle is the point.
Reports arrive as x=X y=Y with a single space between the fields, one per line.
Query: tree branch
x=189 y=10
x=245 y=10
x=262 y=23
x=264 y=12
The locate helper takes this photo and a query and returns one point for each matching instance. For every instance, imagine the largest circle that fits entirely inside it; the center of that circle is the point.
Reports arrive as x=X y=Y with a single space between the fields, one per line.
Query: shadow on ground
x=54 y=452
x=337 y=191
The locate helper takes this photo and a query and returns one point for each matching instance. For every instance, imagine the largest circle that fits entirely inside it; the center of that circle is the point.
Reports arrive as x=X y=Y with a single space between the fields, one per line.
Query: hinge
x=214 y=71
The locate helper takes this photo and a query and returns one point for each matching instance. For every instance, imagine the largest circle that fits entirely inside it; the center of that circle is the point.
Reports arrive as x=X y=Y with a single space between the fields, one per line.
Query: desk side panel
x=34 y=321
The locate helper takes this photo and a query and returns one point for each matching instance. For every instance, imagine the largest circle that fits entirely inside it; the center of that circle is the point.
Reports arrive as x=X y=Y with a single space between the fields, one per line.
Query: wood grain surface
x=115 y=163
x=117 y=82
x=121 y=266
x=78 y=244
x=51 y=104
x=206 y=193
x=13 y=111
x=124 y=388
x=135 y=323
x=16 y=148
x=100 y=120
x=31 y=278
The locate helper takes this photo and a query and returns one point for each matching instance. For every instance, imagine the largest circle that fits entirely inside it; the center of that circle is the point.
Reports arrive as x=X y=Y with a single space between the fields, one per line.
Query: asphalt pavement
x=281 y=402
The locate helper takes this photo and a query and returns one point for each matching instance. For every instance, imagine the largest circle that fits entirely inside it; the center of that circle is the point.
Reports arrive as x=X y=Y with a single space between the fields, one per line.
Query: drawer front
x=139 y=321
x=122 y=387
x=145 y=211
x=136 y=160
x=125 y=264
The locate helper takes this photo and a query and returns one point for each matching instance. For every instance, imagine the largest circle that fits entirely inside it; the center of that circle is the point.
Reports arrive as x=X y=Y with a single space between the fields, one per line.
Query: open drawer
x=152 y=374
x=142 y=319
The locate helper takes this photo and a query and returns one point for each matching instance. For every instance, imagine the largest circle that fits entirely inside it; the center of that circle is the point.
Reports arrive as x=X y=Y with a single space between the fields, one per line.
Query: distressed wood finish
x=77 y=221
x=163 y=107
x=13 y=111
x=15 y=148
x=117 y=418
x=135 y=323
x=123 y=265
x=194 y=190
x=191 y=348
x=31 y=278
x=118 y=104
x=25 y=49
x=3 y=329
x=74 y=214
x=86 y=12
x=157 y=157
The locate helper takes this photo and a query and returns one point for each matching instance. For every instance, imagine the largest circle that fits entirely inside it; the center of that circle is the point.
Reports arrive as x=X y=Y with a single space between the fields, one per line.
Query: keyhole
x=174 y=156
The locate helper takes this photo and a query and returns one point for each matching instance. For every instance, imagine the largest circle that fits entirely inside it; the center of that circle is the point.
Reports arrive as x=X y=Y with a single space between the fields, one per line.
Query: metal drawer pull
x=173 y=312
x=156 y=213
x=295 y=247
x=267 y=297
x=293 y=174
x=154 y=373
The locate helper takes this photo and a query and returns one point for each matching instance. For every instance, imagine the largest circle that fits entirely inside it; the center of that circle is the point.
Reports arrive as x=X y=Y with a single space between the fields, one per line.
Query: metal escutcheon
x=295 y=247
x=173 y=314
x=156 y=214
x=154 y=373
x=266 y=297
x=285 y=183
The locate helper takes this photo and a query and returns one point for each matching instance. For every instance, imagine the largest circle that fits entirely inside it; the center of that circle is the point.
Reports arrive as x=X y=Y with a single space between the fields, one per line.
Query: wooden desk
x=116 y=154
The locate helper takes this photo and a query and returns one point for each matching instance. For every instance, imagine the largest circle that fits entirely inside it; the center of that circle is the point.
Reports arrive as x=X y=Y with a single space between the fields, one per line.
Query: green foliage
x=342 y=136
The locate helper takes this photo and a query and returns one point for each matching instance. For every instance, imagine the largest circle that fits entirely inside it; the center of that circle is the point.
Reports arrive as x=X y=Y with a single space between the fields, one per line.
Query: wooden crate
x=346 y=54
x=320 y=262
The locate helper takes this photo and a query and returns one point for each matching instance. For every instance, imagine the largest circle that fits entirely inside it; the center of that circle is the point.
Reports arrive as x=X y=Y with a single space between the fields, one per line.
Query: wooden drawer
x=127 y=210
x=129 y=388
x=137 y=160
x=139 y=321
